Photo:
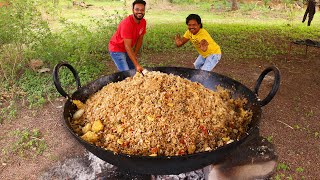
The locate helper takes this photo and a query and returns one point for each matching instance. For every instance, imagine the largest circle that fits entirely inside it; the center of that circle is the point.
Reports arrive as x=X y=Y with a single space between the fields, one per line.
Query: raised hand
x=203 y=45
x=178 y=40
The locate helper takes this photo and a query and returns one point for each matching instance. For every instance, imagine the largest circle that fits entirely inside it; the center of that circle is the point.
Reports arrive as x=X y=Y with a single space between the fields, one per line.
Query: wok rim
x=186 y=156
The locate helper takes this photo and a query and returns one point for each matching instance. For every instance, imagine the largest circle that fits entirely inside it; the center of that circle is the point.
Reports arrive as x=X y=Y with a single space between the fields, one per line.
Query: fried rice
x=160 y=114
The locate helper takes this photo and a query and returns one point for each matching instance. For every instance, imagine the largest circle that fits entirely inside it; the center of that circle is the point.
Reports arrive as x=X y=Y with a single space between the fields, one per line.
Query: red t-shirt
x=127 y=29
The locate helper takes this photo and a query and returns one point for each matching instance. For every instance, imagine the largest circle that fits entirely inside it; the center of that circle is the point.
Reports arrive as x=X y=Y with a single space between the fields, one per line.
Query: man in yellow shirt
x=209 y=51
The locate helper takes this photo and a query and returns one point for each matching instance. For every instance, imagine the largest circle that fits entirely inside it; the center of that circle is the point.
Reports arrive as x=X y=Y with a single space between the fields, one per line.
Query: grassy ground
x=250 y=28
x=80 y=36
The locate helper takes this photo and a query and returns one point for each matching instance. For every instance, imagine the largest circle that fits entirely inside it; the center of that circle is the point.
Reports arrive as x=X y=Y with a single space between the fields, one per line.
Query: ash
x=90 y=167
x=86 y=167
x=193 y=175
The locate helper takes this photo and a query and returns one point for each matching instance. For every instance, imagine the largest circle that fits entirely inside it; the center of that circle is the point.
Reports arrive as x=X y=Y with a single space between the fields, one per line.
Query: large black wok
x=175 y=164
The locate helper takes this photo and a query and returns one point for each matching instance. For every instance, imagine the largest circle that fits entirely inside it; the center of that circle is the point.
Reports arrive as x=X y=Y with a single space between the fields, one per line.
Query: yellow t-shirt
x=213 y=47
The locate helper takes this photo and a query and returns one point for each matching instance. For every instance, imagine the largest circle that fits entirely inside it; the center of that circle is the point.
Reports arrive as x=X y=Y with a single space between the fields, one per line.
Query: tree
x=234 y=5
x=55 y=3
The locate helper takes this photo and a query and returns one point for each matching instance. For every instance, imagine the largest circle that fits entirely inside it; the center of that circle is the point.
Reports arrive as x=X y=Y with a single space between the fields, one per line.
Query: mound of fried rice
x=160 y=114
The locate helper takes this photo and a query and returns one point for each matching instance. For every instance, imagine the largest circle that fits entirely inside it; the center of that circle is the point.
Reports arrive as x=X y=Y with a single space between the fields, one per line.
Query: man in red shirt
x=126 y=42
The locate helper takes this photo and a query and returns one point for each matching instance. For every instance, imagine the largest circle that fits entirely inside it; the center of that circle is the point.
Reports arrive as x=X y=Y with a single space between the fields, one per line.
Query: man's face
x=193 y=26
x=138 y=11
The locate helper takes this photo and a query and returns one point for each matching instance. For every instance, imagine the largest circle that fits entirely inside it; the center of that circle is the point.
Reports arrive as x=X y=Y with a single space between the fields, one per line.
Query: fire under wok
x=161 y=165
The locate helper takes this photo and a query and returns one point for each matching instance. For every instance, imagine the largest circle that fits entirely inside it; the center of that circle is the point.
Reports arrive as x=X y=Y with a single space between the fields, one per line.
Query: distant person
x=209 y=51
x=310 y=11
x=126 y=42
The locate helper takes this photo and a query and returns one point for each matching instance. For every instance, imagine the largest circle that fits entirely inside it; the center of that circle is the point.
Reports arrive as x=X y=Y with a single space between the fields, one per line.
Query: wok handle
x=57 y=80
x=275 y=85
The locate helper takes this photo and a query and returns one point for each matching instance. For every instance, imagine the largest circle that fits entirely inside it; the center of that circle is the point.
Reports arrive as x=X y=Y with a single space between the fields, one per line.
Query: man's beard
x=138 y=18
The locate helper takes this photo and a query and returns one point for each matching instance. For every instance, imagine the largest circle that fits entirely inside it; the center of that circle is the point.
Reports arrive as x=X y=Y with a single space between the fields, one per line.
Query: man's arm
x=180 y=41
x=131 y=54
x=138 y=45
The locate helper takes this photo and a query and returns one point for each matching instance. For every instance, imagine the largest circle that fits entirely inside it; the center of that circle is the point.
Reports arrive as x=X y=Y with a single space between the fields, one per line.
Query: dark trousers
x=311 y=10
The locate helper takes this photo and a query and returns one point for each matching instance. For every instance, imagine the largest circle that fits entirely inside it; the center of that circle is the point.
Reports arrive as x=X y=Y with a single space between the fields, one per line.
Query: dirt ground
x=290 y=120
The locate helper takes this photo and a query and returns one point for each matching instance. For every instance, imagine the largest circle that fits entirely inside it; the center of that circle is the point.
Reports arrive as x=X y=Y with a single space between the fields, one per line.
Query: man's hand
x=203 y=45
x=178 y=40
x=139 y=68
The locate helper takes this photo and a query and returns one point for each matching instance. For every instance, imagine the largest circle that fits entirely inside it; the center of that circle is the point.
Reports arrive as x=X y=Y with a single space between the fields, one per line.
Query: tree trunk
x=234 y=5
x=55 y=3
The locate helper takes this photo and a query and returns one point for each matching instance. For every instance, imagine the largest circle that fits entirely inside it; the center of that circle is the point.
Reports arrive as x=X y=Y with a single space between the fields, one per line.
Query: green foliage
x=29 y=31
x=270 y=139
x=283 y=172
x=37 y=87
x=161 y=38
x=11 y=62
x=237 y=41
x=282 y=167
x=191 y=1
x=29 y=143
x=22 y=22
x=8 y=112
x=316 y=134
x=266 y=2
x=299 y=169
x=288 y=1
x=309 y=113
x=21 y=26
x=291 y=15
x=28 y=37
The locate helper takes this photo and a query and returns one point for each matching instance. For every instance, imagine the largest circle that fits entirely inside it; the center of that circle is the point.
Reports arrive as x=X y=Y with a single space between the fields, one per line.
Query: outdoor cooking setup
x=164 y=165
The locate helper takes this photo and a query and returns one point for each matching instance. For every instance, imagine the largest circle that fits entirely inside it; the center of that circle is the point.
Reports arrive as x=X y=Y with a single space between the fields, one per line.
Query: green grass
x=236 y=40
x=8 y=113
x=27 y=144
x=282 y=168
x=80 y=36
